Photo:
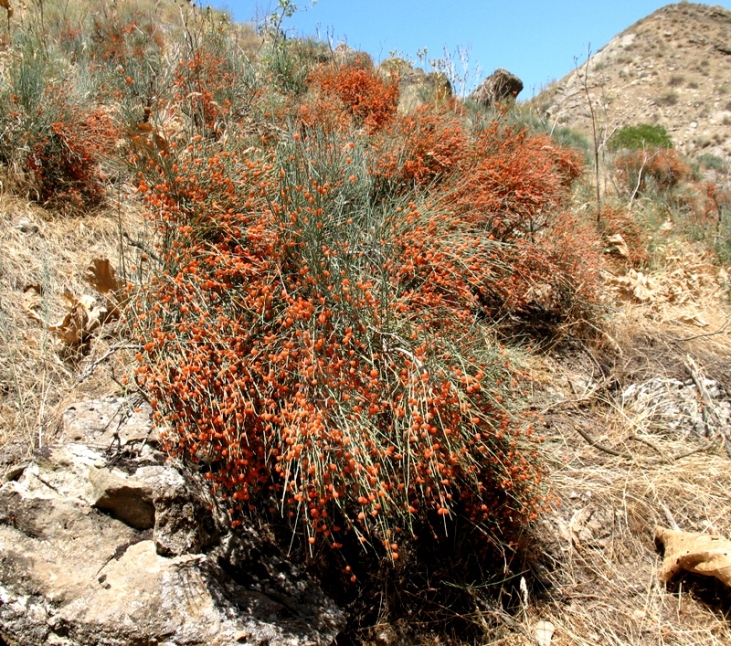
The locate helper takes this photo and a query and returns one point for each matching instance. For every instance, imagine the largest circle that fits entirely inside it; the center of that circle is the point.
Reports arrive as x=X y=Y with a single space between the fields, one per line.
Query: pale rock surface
x=416 y=87
x=120 y=548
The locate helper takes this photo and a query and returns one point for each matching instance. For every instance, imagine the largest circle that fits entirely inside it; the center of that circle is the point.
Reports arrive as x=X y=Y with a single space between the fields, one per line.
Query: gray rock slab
x=95 y=554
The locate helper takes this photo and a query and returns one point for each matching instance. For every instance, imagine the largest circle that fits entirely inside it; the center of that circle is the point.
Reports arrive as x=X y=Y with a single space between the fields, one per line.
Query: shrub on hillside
x=369 y=98
x=300 y=361
x=420 y=148
x=288 y=63
x=640 y=137
x=563 y=136
x=64 y=162
x=116 y=43
x=212 y=85
x=656 y=169
x=52 y=145
x=322 y=338
x=712 y=162
x=516 y=183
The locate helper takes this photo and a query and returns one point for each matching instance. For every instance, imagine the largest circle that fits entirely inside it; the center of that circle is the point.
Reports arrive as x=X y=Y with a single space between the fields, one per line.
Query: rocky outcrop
x=114 y=545
x=497 y=87
x=416 y=86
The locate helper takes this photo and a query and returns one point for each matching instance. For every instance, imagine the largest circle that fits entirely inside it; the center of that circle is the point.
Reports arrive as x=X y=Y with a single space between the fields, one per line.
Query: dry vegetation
x=243 y=191
x=670 y=68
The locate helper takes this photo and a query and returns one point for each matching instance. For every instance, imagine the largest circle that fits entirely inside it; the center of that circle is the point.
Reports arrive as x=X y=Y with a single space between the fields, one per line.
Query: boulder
x=497 y=87
x=99 y=546
x=345 y=55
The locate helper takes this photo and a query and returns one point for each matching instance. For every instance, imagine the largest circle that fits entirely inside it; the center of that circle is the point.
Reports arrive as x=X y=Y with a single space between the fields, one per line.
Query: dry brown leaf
x=636 y=284
x=82 y=319
x=141 y=142
x=5 y=4
x=642 y=289
x=617 y=246
x=697 y=553
x=71 y=330
x=100 y=275
x=161 y=143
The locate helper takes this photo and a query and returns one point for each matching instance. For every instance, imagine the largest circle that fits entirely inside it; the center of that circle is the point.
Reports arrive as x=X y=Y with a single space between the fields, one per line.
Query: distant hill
x=671 y=68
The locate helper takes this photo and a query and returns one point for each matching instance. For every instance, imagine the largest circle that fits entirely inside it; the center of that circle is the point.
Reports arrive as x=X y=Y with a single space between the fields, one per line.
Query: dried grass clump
x=619 y=473
x=43 y=257
x=604 y=579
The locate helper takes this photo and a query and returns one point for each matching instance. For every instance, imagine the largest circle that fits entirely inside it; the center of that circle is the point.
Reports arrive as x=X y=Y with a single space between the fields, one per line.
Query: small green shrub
x=712 y=162
x=570 y=138
x=667 y=100
x=288 y=63
x=562 y=135
x=641 y=136
x=676 y=80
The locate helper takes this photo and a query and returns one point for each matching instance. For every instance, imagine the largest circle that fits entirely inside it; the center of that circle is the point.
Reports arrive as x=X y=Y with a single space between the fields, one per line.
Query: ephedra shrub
x=52 y=143
x=301 y=363
x=319 y=340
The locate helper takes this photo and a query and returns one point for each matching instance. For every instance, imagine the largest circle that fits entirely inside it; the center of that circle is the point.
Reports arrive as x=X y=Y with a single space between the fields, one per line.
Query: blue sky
x=538 y=40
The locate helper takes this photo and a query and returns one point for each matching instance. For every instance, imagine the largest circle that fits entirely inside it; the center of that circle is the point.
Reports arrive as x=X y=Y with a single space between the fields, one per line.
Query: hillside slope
x=671 y=68
x=404 y=348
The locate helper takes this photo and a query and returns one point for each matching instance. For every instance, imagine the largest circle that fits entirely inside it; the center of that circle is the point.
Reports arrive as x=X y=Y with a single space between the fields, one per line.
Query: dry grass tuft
x=618 y=473
x=604 y=585
x=39 y=376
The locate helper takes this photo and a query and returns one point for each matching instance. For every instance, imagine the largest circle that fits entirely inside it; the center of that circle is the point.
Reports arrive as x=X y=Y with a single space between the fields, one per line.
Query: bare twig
x=700 y=336
x=685 y=454
x=585 y=81
x=92 y=366
x=639 y=182
x=709 y=407
x=599 y=445
x=141 y=247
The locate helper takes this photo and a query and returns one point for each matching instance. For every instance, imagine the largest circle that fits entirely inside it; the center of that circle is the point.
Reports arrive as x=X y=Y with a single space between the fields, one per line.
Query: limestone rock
x=500 y=85
x=110 y=421
x=126 y=499
x=184 y=520
x=344 y=55
x=102 y=547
